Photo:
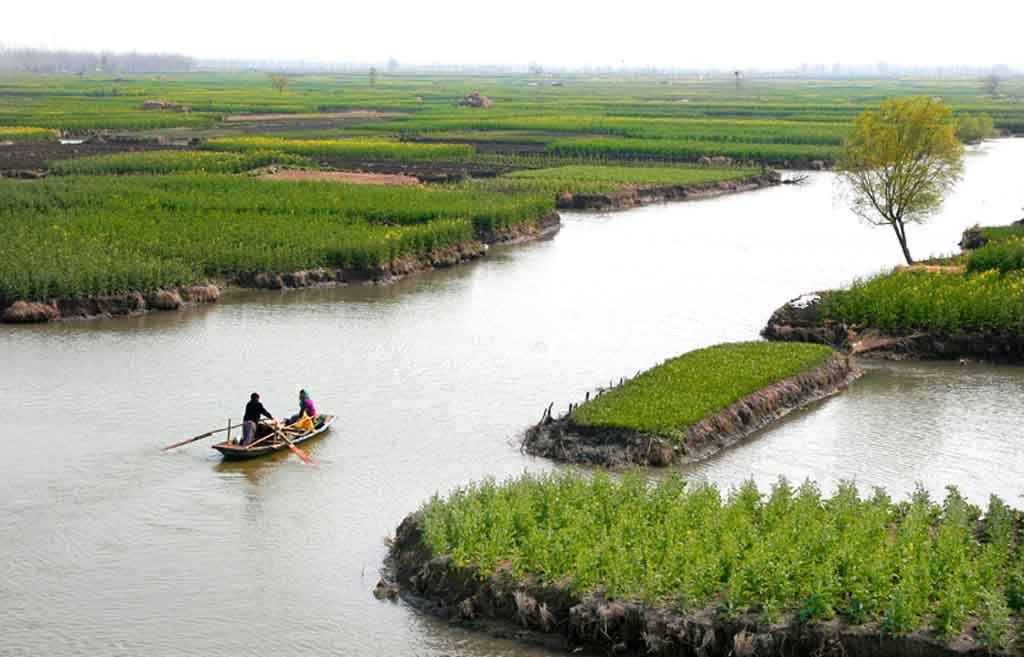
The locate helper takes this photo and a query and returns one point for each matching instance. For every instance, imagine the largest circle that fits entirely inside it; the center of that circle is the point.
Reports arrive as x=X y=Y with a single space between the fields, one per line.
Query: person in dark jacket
x=253 y=411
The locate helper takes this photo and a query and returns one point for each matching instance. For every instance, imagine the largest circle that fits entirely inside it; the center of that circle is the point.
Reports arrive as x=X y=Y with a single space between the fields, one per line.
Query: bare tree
x=373 y=75
x=280 y=81
x=990 y=83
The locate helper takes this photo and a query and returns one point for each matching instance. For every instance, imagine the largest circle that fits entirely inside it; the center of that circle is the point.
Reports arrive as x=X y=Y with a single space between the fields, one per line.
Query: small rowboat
x=235 y=452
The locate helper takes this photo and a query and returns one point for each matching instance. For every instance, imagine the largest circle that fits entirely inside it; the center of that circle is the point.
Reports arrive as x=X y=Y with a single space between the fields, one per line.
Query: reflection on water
x=139 y=552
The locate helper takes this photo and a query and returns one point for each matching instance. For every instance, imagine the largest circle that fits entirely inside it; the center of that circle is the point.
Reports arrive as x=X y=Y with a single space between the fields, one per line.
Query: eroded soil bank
x=631 y=627
x=563 y=440
x=630 y=197
x=175 y=298
x=799 y=321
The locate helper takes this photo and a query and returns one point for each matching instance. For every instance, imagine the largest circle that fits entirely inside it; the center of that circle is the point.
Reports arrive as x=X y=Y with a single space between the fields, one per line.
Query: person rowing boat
x=254 y=410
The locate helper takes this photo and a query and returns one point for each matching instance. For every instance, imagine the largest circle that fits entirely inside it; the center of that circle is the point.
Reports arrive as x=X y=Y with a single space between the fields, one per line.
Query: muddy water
x=108 y=547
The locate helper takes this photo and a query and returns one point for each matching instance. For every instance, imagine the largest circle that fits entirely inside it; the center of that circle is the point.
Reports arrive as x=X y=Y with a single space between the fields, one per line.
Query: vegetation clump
x=1002 y=255
x=95 y=235
x=345 y=149
x=574 y=175
x=682 y=391
x=174 y=162
x=789 y=554
x=952 y=302
x=26 y=133
x=973 y=129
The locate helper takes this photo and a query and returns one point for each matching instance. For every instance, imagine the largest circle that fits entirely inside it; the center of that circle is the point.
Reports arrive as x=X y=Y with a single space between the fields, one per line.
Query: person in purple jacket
x=306 y=406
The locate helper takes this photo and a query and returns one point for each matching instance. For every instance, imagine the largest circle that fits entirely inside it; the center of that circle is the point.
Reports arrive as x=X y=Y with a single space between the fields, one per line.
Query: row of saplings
x=669 y=568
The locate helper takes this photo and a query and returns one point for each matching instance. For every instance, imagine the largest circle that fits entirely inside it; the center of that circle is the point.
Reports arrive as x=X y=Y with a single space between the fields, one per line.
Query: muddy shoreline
x=572 y=620
x=798 y=321
x=563 y=440
x=175 y=298
x=631 y=197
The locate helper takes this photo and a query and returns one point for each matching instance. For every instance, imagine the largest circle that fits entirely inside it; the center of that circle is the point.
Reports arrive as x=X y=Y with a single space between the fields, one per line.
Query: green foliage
x=791 y=551
x=972 y=129
x=347 y=149
x=25 y=133
x=174 y=162
x=907 y=299
x=621 y=175
x=1004 y=256
x=993 y=234
x=900 y=162
x=95 y=235
x=635 y=106
x=680 y=392
x=683 y=150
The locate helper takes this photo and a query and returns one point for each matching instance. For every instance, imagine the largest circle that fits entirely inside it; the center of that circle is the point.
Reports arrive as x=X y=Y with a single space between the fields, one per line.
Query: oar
x=199 y=437
x=298 y=452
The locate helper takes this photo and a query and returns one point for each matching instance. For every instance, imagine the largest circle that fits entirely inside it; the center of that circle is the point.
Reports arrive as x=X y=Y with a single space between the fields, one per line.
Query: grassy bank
x=18 y=134
x=910 y=300
x=604 y=178
x=97 y=235
x=791 y=553
x=669 y=398
x=158 y=162
x=346 y=149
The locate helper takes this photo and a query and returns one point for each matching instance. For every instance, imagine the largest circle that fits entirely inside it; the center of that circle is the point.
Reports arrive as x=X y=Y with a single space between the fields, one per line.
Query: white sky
x=674 y=33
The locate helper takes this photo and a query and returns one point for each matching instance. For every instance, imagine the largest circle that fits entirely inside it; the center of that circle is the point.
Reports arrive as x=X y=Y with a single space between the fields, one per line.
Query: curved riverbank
x=567 y=440
x=636 y=196
x=799 y=320
x=22 y=311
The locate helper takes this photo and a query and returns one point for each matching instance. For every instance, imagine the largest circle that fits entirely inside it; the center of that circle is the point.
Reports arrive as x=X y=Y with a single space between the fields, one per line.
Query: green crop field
x=347 y=149
x=689 y=117
x=602 y=179
x=905 y=566
x=97 y=235
x=675 y=395
x=80 y=233
x=636 y=175
x=907 y=300
x=174 y=162
x=16 y=134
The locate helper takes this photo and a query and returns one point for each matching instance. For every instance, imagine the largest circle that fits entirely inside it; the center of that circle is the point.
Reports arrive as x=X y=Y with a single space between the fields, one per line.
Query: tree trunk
x=901 y=235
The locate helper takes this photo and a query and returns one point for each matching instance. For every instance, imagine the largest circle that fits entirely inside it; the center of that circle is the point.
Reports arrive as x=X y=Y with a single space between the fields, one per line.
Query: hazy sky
x=705 y=33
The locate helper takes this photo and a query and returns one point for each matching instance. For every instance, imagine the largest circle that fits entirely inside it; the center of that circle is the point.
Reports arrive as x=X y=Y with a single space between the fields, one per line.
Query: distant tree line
x=37 y=60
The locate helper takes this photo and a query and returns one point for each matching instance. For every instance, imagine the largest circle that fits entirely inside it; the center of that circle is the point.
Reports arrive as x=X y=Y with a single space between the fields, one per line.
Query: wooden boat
x=236 y=452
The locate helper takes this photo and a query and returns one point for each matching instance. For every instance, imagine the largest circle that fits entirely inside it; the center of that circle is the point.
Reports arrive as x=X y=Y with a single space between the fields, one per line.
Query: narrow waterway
x=109 y=547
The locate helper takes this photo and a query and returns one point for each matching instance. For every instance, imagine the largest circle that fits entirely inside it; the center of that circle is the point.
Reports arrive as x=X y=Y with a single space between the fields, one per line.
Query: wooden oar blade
x=282 y=433
x=298 y=452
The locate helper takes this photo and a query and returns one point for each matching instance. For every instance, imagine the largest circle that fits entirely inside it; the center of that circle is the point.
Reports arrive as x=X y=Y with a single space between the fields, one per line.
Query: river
x=110 y=547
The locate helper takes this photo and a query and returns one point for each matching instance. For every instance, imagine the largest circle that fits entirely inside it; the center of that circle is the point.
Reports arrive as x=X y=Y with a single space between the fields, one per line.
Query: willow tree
x=900 y=162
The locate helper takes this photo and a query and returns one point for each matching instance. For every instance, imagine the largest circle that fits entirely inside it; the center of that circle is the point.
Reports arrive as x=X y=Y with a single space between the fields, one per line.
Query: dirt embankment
x=631 y=627
x=129 y=303
x=428 y=172
x=133 y=303
x=563 y=440
x=798 y=321
x=630 y=197
x=29 y=159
